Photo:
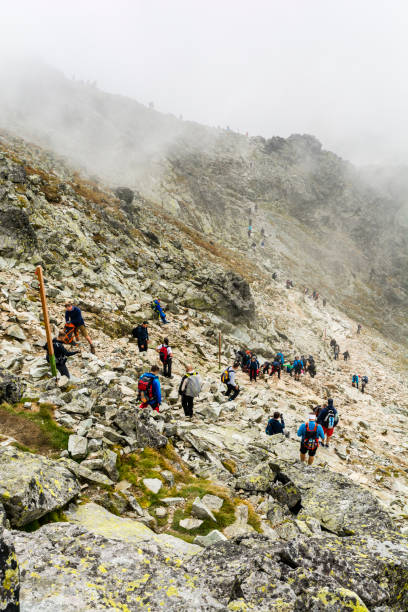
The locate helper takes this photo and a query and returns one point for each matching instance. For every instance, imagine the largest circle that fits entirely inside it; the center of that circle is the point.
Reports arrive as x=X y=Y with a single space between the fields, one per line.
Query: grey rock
x=213 y=502
x=109 y=459
x=173 y=501
x=11 y=387
x=153 y=484
x=9 y=574
x=200 y=510
x=211 y=538
x=77 y=446
x=190 y=523
x=139 y=426
x=15 y=331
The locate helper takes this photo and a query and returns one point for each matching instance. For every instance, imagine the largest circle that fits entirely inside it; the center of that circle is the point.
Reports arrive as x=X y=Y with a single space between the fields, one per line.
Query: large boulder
x=9 y=575
x=141 y=427
x=125 y=194
x=11 y=387
x=31 y=485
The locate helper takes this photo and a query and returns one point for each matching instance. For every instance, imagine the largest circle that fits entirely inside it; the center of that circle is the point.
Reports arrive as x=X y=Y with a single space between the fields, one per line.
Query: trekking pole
x=219 y=350
x=39 y=273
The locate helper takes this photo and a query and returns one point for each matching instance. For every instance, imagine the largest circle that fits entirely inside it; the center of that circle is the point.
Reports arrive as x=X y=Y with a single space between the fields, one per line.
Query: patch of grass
x=33 y=431
x=56 y=516
x=253 y=518
x=230 y=465
x=225 y=516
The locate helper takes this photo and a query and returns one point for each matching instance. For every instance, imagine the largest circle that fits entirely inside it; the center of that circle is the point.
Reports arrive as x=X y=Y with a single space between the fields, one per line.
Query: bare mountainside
x=325 y=226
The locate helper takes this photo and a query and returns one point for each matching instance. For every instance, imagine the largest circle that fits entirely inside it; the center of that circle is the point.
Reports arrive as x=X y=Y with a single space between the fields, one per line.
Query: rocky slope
x=138 y=510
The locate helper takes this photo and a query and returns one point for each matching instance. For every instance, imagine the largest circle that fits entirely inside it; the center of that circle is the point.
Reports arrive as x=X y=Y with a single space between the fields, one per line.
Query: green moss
x=56 y=516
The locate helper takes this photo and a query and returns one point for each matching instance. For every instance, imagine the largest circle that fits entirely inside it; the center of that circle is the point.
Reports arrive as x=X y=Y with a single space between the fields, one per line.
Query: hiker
x=274 y=276
x=297 y=368
x=354 y=381
x=73 y=315
x=310 y=433
x=289 y=284
x=324 y=302
x=166 y=357
x=275 y=425
x=249 y=230
x=253 y=245
x=265 y=367
x=263 y=233
x=239 y=356
x=311 y=367
x=61 y=354
x=246 y=361
x=228 y=378
x=262 y=245
x=346 y=355
x=253 y=368
x=328 y=419
x=156 y=307
x=276 y=368
x=190 y=387
x=149 y=389
x=336 y=352
x=142 y=334
x=364 y=382
x=359 y=327
x=333 y=343
x=280 y=357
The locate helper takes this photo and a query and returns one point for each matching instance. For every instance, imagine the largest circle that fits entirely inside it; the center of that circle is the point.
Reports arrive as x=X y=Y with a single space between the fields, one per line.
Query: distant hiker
x=246 y=361
x=262 y=245
x=276 y=368
x=310 y=433
x=359 y=327
x=228 y=378
x=354 y=381
x=297 y=368
x=149 y=389
x=316 y=297
x=253 y=368
x=166 y=357
x=306 y=291
x=311 y=367
x=280 y=357
x=314 y=294
x=324 y=302
x=364 y=382
x=73 y=315
x=141 y=333
x=253 y=245
x=157 y=308
x=336 y=351
x=190 y=387
x=289 y=284
x=61 y=354
x=346 y=355
x=274 y=276
x=262 y=232
x=249 y=230
x=328 y=419
x=275 y=425
x=333 y=343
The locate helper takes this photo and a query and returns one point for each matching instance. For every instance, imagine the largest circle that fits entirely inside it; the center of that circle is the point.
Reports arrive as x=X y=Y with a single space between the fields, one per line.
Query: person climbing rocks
x=249 y=229
x=276 y=367
x=141 y=333
x=364 y=382
x=157 y=308
x=190 y=387
x=336 y=352
x=297 y=368
x=280 y=357
x=228 y=377
x=149 y=389
x=265 y=367
x=73 y=315
x=310 y=433
x=246 y=361
x=276 y=425
x=289 y=284
x=253 y=368
x=359 y=328
x=346 y=355
x=328 y=419
x=354 y=381
x=166 y=357
x=61 y=354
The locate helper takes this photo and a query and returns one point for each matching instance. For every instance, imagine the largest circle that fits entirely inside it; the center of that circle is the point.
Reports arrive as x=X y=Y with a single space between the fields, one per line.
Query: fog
x=270 y=67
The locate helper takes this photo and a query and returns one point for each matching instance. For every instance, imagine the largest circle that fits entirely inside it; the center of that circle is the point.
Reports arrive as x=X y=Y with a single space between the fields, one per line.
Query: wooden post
x=219 y=350
x=53 y=366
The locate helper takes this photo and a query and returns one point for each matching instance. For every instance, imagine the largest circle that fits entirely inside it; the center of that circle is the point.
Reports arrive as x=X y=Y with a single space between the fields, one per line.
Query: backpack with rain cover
x=225 y=376
x=310 y=440
x=164 y=354
x=145 y=388
x=69 y=331
x=193 y=385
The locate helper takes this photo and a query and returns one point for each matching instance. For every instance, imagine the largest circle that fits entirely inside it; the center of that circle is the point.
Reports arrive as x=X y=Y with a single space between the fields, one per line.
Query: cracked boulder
x=11 y=387
x=140 y=426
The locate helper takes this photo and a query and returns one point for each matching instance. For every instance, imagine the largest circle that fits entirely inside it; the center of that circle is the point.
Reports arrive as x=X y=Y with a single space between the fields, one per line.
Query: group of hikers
x=249 y=363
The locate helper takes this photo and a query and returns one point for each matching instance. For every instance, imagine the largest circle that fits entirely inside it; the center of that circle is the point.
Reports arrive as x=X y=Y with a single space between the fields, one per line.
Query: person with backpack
x=354 y=381
x=275 y=425
x=149 y=389
x=265 y=367
x=328 y=419
x=73 y=315
x=253 y=368
x=333 y=343
x=280 y=357
x=336 y=352
x=157 y=308
x=166 y=357
x=311 y=366
x=346 y=355
x=359 y=328
x=141 y=333
x=228 y=377
x=190 y=387
x=276 y=368
x=297 y=368
x=61 y=354
x=310 y=433
x=364 y=382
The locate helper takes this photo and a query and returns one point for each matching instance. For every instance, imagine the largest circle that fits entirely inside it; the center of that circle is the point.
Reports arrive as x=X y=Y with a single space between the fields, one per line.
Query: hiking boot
x=92 y=349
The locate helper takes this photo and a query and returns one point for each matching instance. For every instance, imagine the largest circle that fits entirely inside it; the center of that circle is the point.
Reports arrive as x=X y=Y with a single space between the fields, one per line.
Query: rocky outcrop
x=11 y=387
x=31 y=485
x=9 y=575
x=141 y=427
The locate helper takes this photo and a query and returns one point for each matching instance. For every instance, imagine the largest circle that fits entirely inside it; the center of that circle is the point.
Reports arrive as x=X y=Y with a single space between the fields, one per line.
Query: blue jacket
x=280 y=355
x=274 y=426
x=302 y=431
x=355 y=378
x=159 y=309
x=74 y=316
x=296 y=362
x=323 y=414
x=254 y=365
x=155 y=388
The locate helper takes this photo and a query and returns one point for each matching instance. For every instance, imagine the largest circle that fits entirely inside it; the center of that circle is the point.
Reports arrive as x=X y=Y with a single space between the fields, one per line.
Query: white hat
x=312 y=417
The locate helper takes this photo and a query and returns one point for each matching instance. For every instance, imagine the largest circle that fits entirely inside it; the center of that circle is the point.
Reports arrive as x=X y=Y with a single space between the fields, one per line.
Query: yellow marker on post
x=39 y=273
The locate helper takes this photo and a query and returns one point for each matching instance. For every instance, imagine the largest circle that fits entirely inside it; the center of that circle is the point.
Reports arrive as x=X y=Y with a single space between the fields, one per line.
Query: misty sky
x=333 y=68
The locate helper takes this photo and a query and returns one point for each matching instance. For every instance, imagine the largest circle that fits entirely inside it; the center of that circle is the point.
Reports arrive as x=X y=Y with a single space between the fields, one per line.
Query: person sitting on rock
x=190 y=387
x=310 y=433
x=276 y=368
x=166 y=357
x=73 y=315
x=61 y=354
x=354 y=381
x=253 y=368
x=149 y=389
x=275 y=425
x=228 y=377
x=141 y=333
x=346 y=355
x=328 y=419
x=364 y=381
x=157 y=308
